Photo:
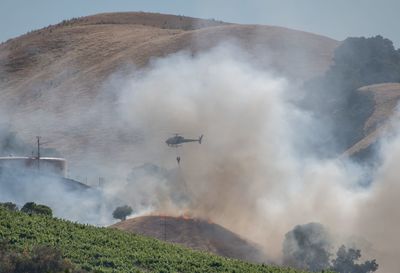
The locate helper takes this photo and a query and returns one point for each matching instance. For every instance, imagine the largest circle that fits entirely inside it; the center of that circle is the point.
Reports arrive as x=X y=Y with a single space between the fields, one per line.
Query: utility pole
x=38 y=152
x=165 y=228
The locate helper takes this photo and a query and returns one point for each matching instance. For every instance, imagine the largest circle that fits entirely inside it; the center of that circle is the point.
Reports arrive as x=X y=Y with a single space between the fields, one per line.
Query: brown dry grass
x=386 y=97
x=59 y=70
x=193 y=233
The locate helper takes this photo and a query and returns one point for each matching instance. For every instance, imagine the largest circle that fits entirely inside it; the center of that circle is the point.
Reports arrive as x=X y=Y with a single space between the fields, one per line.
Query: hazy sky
x=334 y=18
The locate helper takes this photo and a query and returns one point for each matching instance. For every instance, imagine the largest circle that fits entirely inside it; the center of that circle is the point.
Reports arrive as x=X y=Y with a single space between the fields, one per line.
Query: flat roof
x=32 y=158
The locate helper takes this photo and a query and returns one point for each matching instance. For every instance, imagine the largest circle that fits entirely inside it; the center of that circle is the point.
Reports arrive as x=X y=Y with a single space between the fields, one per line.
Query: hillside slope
x=386 y=97
x=49 y=78
x=193 y=233
x=110 y=250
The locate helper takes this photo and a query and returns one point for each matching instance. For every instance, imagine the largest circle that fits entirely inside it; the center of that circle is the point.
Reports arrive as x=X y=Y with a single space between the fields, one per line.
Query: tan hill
x=57 y=71
x=193 y=233
x=49 y=78
x=102 y=41
x=386 y=97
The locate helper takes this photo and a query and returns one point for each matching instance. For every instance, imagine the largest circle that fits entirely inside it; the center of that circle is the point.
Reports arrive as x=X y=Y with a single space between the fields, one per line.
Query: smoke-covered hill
x=357 y=94
x=53 y=79
x=277 y=107
x=385 y=100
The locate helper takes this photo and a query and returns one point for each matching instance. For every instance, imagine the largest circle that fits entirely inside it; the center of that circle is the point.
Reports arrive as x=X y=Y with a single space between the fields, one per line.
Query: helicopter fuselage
x=176 y=140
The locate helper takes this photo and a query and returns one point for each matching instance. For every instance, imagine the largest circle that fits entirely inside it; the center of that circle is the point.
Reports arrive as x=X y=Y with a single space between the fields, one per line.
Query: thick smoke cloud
x=254 y=173
x=11 y=143
x=20 y=184
x=378 y=219
x=67 y=200
x=249 y=172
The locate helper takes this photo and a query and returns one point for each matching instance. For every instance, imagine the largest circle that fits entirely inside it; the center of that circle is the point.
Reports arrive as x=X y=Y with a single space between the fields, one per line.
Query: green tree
x=122 y=212
x=9 y=205
x=363 y=61
x=45 y=210
x=33 y=208
x=307 y=247
x=28 y=207
x=346 y=262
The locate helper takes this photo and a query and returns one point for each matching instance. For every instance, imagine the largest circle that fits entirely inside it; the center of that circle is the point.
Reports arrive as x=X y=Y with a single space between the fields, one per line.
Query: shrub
x=9 y=205
x=41 y=259
x=33 y=208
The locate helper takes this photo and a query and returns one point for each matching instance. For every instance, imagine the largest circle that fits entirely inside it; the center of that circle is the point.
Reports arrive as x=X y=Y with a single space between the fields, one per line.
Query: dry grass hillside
x=193 y=233
x=386 y=97
x=50 y=77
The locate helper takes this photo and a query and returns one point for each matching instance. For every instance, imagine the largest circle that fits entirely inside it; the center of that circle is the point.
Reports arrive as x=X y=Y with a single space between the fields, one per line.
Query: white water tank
x=46 y=165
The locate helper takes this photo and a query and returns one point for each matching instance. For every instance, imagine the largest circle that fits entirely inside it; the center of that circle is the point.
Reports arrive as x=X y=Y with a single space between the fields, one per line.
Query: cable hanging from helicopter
x=177 y=140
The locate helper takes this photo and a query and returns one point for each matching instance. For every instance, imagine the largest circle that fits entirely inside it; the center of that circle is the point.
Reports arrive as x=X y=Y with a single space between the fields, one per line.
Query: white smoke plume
x=253 y=173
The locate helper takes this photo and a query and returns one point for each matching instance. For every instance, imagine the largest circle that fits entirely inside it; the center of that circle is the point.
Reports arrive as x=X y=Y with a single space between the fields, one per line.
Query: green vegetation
x=309 y=247
x=9 y=206
x=363 y=61
x=347 y=260
x=33 y=208
x=109 y=250
x=122 y=212
x=39 y=259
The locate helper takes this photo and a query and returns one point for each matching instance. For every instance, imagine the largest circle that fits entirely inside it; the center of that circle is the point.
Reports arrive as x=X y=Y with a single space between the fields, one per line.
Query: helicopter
x=177 y=139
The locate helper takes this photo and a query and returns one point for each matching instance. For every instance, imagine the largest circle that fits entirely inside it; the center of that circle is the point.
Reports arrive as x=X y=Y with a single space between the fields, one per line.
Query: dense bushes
x=364 y=61
x=9 y=205
x=29 y=208
x=347 y=261
x=32 y=208
x=41 y=259
x=310 y=247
